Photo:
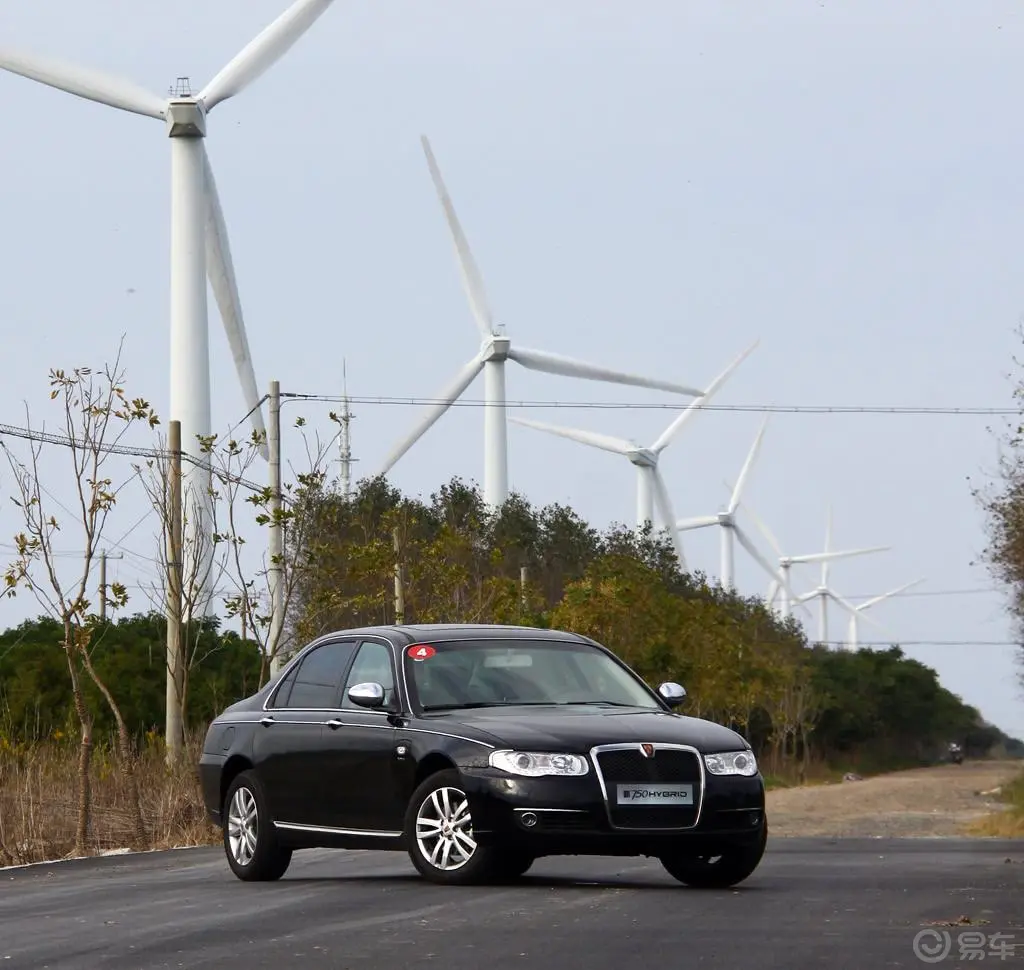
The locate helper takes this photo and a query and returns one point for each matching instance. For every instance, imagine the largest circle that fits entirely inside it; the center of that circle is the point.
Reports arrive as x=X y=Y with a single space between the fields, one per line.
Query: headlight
x=731 y=763
x=535 y=764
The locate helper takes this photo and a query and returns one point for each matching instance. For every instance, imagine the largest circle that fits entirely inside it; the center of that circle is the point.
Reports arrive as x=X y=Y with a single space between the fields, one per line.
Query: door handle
x=334 y=724
x=266 y=721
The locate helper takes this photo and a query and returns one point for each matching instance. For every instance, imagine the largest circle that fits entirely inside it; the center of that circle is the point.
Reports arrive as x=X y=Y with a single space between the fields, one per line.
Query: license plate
x=655 y=794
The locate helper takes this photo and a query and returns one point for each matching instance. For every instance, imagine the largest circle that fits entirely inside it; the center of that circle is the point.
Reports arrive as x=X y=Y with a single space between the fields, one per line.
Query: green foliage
x=130 y=656
x=459 y=562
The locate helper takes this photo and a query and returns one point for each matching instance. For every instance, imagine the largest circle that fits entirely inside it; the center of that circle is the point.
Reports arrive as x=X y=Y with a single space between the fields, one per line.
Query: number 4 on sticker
x=421 y=651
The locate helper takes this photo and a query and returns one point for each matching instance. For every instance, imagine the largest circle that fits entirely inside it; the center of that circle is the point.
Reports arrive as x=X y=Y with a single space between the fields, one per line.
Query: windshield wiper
x=462 y=707
x=478 y=704
x=596 y=703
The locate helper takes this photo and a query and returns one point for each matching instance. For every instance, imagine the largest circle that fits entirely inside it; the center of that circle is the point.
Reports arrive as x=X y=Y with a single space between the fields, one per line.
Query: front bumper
x=568 y=816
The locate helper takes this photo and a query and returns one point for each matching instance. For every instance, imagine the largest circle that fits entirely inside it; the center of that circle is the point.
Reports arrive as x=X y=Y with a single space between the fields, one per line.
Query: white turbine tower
x=496 y=347
x=867 y=604
x=199 y=240
x=650 y=486
x=731 y=532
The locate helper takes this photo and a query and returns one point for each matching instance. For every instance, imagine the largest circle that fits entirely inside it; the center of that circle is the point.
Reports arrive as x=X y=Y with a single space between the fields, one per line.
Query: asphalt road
x=814 y=903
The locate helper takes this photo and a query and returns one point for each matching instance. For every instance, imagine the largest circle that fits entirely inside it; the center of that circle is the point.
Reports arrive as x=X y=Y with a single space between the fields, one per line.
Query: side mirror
x=367 y=695
x=672 y=694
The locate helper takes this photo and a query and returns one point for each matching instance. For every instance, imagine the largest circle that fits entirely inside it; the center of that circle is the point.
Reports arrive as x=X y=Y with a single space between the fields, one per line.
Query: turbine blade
x=84 y=82
x=764 y=530
x=829 y=556
x=699 y=522
x=668 y=516
x=755 y=554
x=221 y=272
x=459 y=383
x=893 y=592
x=569 y=367
x=263 y=51
x=747 y=465
x=676 y=426
x=472 y=281
x=773 y=591
x=616 y=445
x=852 y=610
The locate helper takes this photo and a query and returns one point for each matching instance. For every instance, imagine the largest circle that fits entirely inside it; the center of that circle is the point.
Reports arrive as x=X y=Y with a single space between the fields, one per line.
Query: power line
x=626 y=405
x=48 y=437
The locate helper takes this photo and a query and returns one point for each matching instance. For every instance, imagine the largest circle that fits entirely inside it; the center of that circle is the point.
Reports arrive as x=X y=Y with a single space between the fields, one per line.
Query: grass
x=1009 y=822
x=39 y=801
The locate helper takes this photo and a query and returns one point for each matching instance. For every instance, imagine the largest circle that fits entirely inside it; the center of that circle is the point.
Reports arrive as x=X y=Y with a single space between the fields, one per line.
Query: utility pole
x=104 y=556
x=276 y=539
x=346 y=438
x=399 y=581
x=174 y=735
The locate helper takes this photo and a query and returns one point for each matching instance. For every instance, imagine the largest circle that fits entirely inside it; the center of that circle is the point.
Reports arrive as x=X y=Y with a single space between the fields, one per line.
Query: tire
x=511 y=865
x=442 y=852
x=710 y=871
x=250 y=841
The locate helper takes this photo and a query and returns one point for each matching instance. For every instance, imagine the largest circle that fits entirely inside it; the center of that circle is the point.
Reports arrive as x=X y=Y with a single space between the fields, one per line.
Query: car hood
x=577 y=729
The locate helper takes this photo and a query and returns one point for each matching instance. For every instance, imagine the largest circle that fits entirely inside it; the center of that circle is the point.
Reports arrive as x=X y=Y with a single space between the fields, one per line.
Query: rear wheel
x=720 y=869
x=439 y=828
x=251 y=844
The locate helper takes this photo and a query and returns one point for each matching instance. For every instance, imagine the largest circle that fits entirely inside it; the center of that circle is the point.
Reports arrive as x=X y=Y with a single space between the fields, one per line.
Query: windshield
x=488 y=673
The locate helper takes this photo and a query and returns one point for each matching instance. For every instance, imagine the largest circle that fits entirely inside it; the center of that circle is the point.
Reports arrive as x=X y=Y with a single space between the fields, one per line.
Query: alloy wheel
x=444 y=829
x=243 y=826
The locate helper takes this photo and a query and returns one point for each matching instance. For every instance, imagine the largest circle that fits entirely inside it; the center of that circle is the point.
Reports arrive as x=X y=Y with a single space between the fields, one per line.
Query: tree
x=1001 y=501
x=96 y=414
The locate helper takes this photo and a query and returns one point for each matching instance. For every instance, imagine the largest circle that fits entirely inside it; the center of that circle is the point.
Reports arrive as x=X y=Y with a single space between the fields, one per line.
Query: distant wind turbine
x=496 y=347
x=650 y=486
x=787 y=562
x=731 y=532
x=824 y=592
x=867 y=604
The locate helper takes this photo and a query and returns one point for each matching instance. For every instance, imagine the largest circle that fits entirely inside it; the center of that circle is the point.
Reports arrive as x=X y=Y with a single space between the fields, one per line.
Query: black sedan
x=478 y=749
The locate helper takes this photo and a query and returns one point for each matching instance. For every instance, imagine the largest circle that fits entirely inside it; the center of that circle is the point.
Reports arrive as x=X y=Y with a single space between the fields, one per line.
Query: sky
x=650 y=186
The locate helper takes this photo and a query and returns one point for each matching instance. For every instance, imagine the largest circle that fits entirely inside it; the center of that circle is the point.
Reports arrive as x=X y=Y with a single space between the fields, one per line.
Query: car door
x=359 y=759
x=288 y=744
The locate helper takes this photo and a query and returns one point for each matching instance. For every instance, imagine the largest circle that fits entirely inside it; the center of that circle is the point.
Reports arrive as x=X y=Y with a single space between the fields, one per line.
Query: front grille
x=667 y=767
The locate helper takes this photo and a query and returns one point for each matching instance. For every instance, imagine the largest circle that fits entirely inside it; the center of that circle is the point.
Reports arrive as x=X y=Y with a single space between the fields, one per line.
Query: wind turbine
x=786 y=562
x=199 y=239
x=867 y=604
x=824 y=592
x=650 y=486
x=731 y=532
x=495 y=349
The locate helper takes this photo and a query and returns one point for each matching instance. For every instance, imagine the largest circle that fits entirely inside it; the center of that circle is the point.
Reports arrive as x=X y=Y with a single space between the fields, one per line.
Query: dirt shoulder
x=938 y=801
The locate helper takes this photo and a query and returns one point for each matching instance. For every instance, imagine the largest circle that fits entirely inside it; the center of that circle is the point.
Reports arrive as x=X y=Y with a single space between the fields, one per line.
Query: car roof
x=434 y=632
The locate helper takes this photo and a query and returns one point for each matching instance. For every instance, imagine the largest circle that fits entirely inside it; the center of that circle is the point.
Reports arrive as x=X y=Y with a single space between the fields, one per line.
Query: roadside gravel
x=924 y=802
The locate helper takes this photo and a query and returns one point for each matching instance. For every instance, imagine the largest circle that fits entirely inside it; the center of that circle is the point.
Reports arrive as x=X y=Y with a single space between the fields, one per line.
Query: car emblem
x=647 y=749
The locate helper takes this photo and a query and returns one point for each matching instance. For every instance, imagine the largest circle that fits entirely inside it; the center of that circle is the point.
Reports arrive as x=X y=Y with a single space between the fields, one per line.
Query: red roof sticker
x=421 y=651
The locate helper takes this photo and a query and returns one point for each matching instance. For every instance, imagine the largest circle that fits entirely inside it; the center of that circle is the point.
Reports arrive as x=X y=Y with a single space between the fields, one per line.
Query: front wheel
x=439 y=828
x=250 y=841
x=718 y=870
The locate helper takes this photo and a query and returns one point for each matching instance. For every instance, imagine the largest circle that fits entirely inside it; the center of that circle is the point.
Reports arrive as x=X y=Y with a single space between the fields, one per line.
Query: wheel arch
x=233 y=767
x=430 y=764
